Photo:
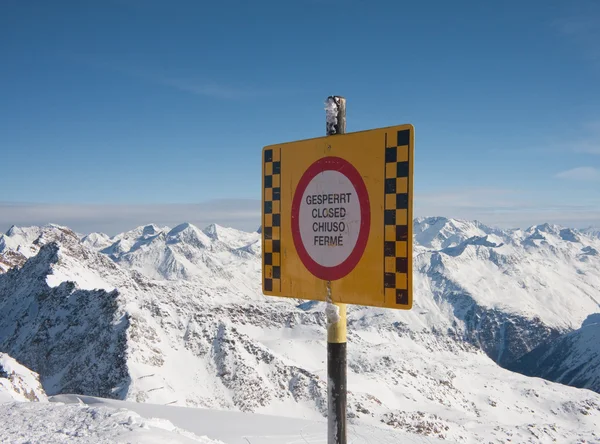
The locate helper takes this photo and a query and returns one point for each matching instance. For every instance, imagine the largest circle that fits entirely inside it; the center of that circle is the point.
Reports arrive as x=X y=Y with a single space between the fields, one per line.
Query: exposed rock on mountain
x=572 y=359
x=176 y=316
x=18 y=383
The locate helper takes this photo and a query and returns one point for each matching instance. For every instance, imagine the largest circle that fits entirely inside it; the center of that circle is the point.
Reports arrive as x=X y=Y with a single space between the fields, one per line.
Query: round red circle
x=347 y=169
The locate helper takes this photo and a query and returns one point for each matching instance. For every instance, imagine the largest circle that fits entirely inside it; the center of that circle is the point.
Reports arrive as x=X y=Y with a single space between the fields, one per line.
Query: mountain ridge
x=182 y=320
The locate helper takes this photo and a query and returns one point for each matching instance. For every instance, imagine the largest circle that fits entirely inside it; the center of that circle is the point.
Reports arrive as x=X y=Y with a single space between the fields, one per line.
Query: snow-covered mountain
x=592 y=231
x=508 y=291
x=18 y=383
x=16 y=246
x=176 y=316
x=573 y=358
x=185 y=252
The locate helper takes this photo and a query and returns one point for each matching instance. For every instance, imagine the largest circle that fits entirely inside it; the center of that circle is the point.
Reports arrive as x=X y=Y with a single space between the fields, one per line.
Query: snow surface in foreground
x=83 y=419
x=32 y=422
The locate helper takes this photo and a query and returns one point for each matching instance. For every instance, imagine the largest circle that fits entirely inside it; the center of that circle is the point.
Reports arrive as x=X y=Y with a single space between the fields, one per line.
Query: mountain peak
x=442 y=232
x=144 y=231
x=96 y=241
x=25 y=232
x=569 y=235
x=546 y=228
x=11 y=231
x=150 y=230
x=187 y=233
x=592 y=231
x=213 y=231
x=56 y=233
x=186 y=226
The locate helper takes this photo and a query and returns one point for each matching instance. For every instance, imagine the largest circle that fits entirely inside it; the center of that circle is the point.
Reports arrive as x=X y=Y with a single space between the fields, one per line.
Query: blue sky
x=118 y=105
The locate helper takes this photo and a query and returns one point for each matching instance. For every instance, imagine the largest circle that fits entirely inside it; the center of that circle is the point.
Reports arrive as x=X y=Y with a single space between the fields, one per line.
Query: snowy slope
x=97 y=241
x=231 y=237
x=21 y=238
x=528 y=274
x=69 y=333
x=18 y=383
x=17 y=245
x=82 y=419
x=244 y=428
x=437 y=233
x=183 y=253
x=124 y=241
x=545 y=271
x=592 y=231
x=177 y=317
x=510 y=291
x=505 y=291
x=572 y=359
x=34 y=422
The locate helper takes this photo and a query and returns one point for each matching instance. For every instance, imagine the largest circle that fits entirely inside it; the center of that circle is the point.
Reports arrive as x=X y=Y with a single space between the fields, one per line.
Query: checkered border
x=396 y=218
x=272 y=220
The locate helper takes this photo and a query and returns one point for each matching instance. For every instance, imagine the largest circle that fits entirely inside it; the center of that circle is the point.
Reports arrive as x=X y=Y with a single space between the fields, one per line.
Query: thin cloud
x=583 y=29
x=196 y=86
x=587 y=143
x=591 y=143
x=577 y=26
x=211 y=89
x=113 y=219
x=495 y=207
x=580 y=174
x=505 y=208
x=587 y=147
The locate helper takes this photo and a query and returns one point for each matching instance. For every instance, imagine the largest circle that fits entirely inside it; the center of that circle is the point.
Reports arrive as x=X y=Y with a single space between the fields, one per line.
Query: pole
x=336 y=316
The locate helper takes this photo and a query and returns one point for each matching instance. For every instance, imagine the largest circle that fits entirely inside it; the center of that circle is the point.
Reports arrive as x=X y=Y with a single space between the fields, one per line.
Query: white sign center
x=329 y=218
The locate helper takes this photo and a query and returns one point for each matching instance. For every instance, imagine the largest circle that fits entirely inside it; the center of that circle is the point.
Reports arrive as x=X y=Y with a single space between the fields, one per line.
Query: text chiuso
x=337 y=212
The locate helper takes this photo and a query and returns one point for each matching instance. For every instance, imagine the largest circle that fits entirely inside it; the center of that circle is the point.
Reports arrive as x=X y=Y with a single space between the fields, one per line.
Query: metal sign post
x=336 y=317
x=337 y=227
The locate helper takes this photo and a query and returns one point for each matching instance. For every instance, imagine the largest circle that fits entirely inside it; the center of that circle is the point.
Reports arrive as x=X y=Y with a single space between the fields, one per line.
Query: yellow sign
x=339 y=209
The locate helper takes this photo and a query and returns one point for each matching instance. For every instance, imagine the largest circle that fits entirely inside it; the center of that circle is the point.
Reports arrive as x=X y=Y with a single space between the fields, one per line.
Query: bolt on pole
x=335 y=108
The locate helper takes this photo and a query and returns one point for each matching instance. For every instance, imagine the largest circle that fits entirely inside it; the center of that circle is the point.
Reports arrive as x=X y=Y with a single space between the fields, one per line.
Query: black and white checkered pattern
x=272 y=220
x=396 y=248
